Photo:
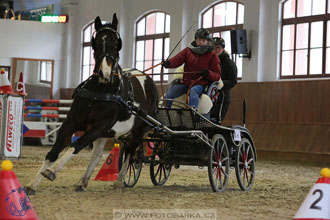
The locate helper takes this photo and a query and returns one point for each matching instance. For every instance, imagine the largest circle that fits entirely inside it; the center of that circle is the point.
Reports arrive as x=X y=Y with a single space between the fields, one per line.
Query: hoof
x=79 y=189
x=49 y=175
x=29 y=190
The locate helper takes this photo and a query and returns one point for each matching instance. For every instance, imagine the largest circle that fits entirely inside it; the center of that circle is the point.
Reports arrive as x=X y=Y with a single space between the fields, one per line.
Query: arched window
x=87 y=52
x=152 y=42
x=222 y=17
x=305 y=39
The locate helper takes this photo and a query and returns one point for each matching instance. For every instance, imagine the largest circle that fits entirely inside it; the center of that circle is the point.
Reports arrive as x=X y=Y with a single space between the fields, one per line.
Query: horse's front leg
x=62 y=140
x=31 y=188
x=91 y=135
x=96 y=156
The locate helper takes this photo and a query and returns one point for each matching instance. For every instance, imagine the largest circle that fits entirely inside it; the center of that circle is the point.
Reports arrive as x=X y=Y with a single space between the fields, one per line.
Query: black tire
x=245 y=164
x=134 y=167
x=218 y=167
x=159 y=171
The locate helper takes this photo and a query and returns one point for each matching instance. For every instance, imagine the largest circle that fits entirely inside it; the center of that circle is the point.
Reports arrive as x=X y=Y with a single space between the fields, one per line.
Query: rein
x=171 y=73
x=181 y=39
x=161 y=78
x=192 y=84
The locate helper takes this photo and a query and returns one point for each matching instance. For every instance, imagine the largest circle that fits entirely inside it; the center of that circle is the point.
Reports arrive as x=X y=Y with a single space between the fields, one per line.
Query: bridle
x=115 y=68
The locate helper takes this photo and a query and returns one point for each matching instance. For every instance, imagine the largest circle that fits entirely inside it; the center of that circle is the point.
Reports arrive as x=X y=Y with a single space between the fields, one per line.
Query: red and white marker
x=316 y=205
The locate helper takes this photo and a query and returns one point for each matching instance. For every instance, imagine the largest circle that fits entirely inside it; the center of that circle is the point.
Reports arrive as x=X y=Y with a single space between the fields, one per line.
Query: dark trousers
x=219 y=110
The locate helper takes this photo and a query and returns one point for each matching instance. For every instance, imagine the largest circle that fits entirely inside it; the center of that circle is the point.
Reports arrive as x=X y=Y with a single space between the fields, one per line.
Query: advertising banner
x=11 y=108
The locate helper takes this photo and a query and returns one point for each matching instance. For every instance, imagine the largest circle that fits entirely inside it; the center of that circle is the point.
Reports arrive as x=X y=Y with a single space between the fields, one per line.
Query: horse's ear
x=114 y=21
x=98 y=23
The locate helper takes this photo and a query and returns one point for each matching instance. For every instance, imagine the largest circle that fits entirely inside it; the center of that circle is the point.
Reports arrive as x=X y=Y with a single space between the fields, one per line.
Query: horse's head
x=106 y=45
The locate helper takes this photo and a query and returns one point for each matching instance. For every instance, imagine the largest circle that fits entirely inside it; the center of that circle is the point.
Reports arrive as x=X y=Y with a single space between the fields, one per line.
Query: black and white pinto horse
x=102 y=108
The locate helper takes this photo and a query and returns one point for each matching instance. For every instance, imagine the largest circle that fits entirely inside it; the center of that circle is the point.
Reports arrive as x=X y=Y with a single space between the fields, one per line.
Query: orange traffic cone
x=20 y=87
x=109 y=170
x=14 y=203
x=316 y=205
x=5 y=87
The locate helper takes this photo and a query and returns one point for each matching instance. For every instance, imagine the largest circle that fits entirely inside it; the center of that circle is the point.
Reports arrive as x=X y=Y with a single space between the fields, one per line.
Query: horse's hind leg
x=96 y=156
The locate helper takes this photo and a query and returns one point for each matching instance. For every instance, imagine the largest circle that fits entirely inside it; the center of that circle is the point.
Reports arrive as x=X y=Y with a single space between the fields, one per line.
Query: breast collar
x=82 y=92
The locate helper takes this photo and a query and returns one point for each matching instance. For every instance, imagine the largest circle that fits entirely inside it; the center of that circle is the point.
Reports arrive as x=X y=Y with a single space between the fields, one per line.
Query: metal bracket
x=248 y=55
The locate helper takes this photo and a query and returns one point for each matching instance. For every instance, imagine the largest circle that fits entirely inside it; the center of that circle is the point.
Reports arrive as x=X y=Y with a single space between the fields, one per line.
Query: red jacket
x=196 y=63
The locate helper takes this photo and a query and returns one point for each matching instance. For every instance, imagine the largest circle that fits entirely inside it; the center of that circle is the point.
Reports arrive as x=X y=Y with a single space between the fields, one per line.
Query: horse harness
x=84 y=93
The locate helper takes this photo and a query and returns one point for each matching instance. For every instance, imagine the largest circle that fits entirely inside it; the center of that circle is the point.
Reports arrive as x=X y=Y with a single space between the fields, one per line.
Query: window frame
x=304 y=20
x=48 y=74
x=165 y=35
x=84 y=45
x=219 y=29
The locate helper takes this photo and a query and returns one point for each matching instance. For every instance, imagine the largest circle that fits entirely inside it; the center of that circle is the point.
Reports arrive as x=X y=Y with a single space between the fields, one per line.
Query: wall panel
x=286 y=119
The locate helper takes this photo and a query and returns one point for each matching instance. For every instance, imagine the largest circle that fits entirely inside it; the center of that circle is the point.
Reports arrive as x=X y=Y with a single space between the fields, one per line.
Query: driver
x=201 y=67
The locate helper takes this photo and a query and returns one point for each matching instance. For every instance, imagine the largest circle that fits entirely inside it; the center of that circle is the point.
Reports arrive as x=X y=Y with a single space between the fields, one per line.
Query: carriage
x=182 y=136
x=108 y=104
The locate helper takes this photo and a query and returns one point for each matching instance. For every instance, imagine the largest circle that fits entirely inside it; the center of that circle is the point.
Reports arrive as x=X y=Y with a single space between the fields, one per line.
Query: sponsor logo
x=17 y=202
x=10 y=128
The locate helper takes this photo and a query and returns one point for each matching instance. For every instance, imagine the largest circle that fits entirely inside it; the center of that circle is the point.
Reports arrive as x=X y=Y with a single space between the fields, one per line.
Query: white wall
x=62 y=42
x=36 y=40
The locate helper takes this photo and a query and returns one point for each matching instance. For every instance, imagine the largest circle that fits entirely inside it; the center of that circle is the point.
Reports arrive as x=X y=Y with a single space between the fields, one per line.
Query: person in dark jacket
x=228 y=77
x=201 y=67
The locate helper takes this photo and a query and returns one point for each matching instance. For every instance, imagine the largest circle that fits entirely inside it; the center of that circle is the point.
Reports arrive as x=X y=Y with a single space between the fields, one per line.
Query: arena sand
x=279 y=190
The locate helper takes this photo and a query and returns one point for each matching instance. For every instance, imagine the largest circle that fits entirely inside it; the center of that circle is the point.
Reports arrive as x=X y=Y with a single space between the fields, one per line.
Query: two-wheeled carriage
x=182 y=136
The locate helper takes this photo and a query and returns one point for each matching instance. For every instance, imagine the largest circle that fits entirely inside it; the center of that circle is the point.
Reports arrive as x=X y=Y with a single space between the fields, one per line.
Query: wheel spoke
x=222 y=147
x=214 y=171
x=224 y=173
x=129 y=173
x=160 y=172
x=221 y=183
x=240 y=155
x=244 y=157
x=224 y=159
x=134 y=172
x=217 y=153
x=158 y=169
x=250 y=171
x=250 y=161
x=216 y=182
x=247 y=177
x=247 y=150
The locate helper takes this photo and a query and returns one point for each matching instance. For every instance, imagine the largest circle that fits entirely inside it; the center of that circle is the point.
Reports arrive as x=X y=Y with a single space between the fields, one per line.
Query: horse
x=102 y=108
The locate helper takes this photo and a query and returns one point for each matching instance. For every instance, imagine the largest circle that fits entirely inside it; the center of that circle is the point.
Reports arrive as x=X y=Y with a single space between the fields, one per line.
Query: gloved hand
x=166 y=64
x=205 y=73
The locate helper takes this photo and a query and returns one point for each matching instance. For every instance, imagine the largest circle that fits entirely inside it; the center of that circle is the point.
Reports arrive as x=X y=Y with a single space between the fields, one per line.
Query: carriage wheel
x=159 y=171
x=244 y=165
x=218 y=168
x=134 y=167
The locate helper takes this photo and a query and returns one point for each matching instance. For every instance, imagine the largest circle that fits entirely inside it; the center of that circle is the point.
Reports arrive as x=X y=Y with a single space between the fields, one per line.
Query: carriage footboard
x=192 y=133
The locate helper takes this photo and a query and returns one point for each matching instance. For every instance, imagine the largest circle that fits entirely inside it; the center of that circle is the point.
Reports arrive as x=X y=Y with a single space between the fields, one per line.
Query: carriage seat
x=207 y=99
